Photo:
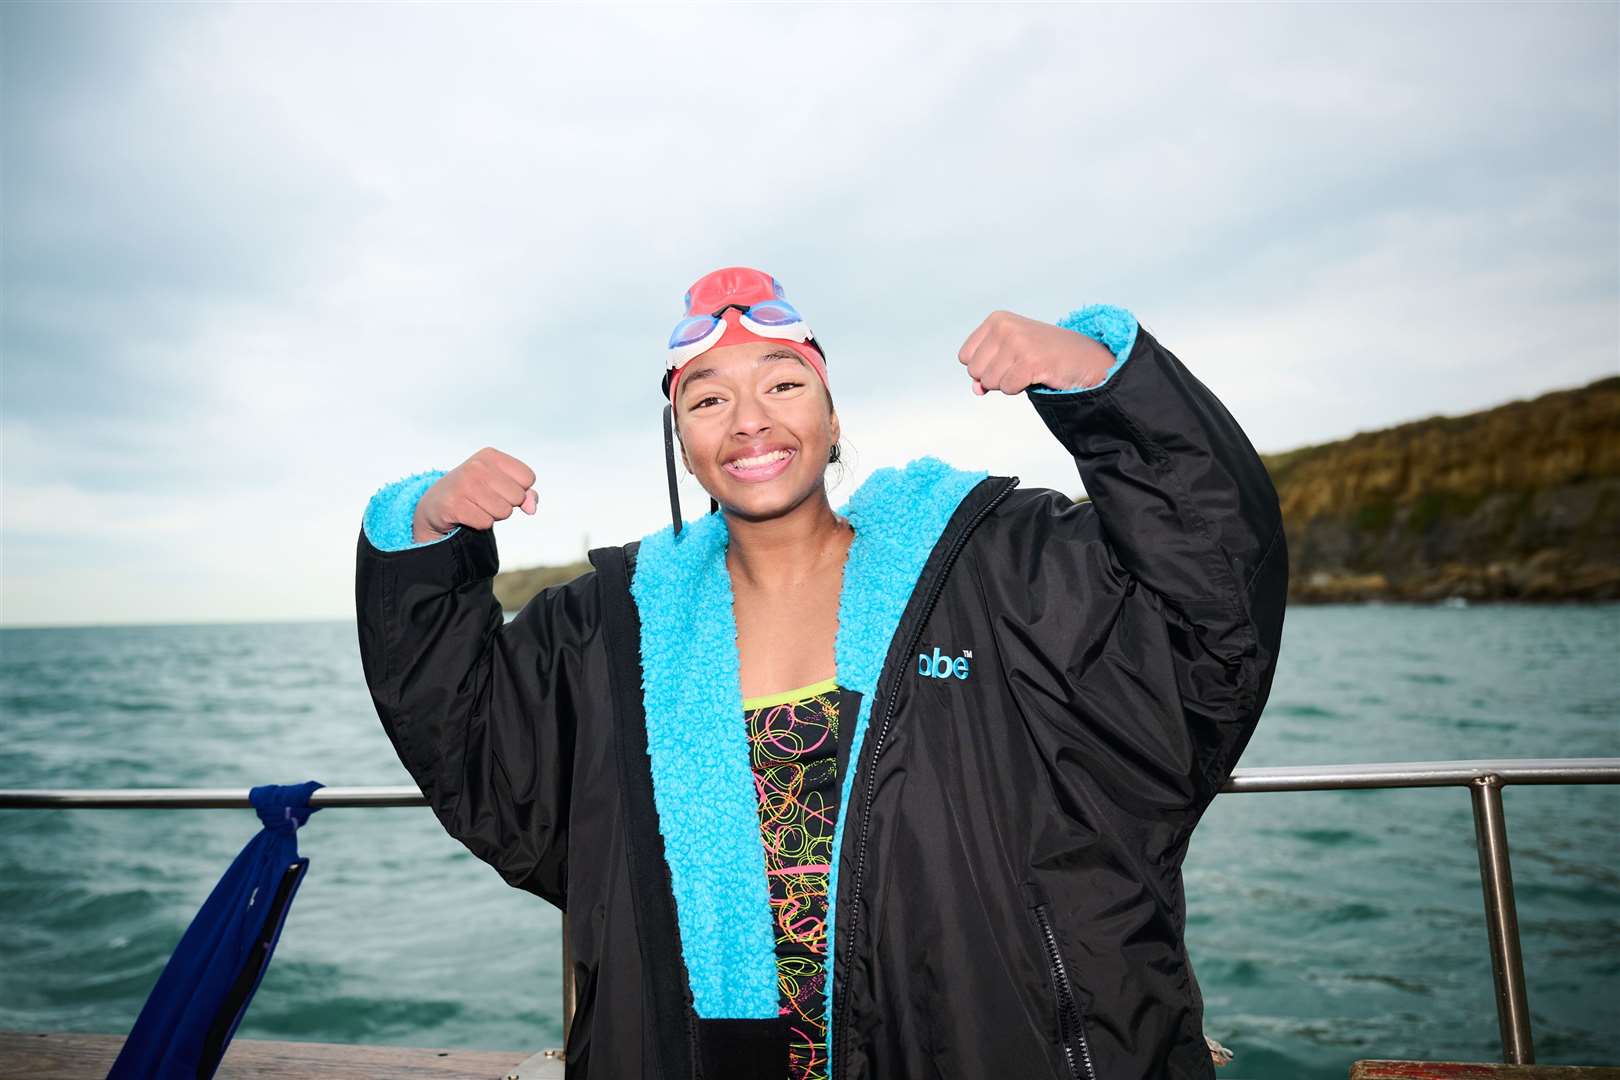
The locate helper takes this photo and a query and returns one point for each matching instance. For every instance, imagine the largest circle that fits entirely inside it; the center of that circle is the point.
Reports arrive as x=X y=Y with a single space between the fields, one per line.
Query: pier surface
x=1460 y=1070
x=63 y=1055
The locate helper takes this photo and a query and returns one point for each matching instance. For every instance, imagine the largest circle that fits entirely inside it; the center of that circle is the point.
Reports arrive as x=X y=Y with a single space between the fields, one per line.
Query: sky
x=257 y=261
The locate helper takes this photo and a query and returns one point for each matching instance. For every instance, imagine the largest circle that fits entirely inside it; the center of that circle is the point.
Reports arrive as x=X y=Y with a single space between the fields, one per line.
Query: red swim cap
x=751 y=306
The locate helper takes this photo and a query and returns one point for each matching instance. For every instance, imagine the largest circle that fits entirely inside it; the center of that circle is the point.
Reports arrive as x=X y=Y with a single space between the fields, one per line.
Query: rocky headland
x=1518 y=502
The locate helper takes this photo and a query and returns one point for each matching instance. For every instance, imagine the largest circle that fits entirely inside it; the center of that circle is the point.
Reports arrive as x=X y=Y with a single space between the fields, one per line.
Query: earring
x=832 y=458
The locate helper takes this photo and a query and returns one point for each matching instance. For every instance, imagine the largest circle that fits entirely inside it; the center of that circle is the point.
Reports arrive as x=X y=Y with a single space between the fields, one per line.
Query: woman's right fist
x=482 y=490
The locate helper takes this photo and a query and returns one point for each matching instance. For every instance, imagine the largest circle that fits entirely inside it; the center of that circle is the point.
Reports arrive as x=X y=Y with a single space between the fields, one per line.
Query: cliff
x=514 y=587
x=1519 y=502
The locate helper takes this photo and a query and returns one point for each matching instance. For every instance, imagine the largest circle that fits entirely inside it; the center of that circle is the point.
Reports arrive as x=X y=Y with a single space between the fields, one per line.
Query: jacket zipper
x=1070 y=1022
x=841 y=1011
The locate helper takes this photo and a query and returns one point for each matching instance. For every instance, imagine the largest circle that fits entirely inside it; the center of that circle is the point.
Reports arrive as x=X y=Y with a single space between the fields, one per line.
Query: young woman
x=901 y=790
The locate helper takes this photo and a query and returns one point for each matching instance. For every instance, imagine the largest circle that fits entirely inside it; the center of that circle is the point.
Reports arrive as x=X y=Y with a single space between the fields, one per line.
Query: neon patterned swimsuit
x=793 y=743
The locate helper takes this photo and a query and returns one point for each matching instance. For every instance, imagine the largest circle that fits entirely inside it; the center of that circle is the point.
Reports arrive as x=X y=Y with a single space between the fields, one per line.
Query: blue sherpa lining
x=1114 y=326
x=702 y=782
x=391 y=513
x=703 y=786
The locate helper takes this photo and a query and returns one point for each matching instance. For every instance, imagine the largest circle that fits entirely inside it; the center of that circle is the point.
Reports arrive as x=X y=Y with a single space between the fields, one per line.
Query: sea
x=1323 y=927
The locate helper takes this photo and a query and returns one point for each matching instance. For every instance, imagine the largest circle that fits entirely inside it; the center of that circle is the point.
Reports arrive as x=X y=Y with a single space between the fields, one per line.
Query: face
x=756 y=426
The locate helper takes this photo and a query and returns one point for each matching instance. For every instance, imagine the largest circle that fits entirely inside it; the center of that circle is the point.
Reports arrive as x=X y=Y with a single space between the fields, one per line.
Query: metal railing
x=1484 y=779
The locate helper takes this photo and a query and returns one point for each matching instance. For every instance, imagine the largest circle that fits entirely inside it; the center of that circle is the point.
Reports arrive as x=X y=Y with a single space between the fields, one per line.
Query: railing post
x=1502 y=920
x=568 y=979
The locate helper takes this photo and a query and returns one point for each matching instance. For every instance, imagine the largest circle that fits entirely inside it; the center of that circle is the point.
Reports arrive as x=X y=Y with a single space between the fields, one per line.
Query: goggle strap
x=669 y=466
x=669 y=470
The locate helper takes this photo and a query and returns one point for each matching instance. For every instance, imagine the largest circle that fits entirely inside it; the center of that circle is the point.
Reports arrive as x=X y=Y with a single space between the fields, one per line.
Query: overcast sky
x=259 y=260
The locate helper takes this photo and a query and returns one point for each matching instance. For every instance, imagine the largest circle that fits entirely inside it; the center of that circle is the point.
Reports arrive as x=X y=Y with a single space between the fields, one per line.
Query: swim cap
x=731 y=306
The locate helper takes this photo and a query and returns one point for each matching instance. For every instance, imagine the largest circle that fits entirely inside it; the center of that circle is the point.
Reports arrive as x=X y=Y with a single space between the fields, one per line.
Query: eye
x=698 y=404
x=782 y=384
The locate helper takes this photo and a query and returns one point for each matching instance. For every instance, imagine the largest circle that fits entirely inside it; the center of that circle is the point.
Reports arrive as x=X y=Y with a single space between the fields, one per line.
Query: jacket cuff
x=391 y=513
x=1114 y=326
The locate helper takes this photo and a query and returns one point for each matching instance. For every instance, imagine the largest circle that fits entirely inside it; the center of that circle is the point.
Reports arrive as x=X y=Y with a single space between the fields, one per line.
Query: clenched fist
x=1010 y=353
x=482 y=490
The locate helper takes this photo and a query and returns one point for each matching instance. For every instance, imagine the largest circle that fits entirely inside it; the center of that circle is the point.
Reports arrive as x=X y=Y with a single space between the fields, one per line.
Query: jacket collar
x=703 y=785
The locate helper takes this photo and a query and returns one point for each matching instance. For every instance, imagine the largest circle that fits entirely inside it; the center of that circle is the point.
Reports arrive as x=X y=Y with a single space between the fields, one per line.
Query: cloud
x=260 y=260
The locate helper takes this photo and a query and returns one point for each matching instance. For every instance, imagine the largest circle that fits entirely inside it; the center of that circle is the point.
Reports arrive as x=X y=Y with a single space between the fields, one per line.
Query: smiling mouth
x=762 y=467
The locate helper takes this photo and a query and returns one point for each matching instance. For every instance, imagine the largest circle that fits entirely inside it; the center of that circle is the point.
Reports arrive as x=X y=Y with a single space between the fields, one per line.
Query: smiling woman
x=754 y=410
x=901 y=789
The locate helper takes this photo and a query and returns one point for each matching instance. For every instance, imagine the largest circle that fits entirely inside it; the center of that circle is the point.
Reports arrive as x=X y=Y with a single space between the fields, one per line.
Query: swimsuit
x=793 y=741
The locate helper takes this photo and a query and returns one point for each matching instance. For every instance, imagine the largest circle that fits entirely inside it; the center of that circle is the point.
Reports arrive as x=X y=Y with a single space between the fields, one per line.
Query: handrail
x=1484 y=778
x=195 y=798
x=1410 y=774
x=1399 y=774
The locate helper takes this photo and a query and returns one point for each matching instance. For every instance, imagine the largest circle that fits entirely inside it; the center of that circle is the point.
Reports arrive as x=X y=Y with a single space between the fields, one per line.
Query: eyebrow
x=776 y=354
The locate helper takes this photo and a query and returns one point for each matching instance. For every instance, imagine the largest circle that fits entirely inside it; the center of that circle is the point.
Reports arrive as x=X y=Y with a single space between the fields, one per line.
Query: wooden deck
x=60 y=1056
x=72 y=1056
x=1463 y=1070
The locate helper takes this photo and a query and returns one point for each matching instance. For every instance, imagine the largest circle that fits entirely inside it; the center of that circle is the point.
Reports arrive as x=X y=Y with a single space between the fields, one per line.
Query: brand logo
x=940 y=666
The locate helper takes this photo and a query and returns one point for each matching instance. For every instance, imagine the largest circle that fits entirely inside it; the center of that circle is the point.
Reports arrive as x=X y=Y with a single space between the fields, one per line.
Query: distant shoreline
x=1515 y=602
x=1519 y=503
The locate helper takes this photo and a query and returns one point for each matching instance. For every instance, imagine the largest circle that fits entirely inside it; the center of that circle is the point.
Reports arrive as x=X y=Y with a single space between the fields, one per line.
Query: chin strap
x=669 y=469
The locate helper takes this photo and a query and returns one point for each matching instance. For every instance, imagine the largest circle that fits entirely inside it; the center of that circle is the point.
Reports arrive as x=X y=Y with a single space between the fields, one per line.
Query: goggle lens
x=692 y=330
x=774 y=313
x=695 y=328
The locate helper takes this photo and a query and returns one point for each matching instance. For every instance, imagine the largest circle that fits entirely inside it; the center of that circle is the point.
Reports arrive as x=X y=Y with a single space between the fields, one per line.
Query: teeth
x=760 y=461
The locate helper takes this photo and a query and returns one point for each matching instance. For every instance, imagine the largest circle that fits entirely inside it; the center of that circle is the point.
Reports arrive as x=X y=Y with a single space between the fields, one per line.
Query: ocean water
x=1324 y=927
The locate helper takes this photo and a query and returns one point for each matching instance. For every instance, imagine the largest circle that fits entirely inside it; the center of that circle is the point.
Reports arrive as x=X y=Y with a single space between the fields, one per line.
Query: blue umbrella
x=193 y=1011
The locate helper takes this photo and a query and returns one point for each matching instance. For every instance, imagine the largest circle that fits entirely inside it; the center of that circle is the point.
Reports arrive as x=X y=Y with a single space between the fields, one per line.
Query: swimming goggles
x=696 y=334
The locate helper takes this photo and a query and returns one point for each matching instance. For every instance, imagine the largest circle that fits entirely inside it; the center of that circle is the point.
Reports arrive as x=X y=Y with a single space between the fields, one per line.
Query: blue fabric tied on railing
x=204 y=990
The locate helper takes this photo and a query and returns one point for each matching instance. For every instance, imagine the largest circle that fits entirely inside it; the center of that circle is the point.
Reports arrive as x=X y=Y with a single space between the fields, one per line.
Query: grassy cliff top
x=1562 y=437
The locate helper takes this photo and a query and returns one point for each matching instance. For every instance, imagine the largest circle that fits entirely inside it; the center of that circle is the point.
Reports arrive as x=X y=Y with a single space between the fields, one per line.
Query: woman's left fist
x=1011 y=353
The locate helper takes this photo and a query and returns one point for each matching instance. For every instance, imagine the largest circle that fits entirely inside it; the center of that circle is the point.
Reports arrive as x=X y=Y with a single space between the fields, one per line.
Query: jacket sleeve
x=480 y=710
x=1181 y=506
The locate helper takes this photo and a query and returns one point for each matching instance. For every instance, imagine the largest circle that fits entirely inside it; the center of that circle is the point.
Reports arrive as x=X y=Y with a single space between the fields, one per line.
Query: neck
x=783 y=552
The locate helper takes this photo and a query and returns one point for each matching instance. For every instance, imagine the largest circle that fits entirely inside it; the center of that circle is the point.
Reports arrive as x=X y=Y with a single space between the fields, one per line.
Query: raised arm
x=1185 y=501
x=481 y=711
x=1180 y=505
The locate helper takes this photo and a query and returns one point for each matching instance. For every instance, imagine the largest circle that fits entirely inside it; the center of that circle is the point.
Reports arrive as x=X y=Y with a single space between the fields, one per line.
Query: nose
x=751 y=415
